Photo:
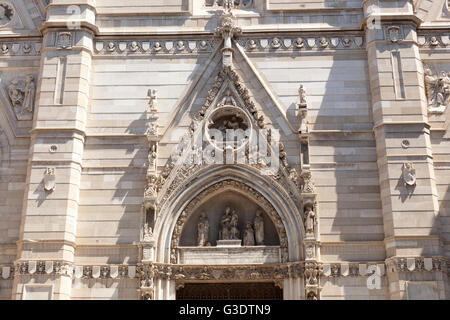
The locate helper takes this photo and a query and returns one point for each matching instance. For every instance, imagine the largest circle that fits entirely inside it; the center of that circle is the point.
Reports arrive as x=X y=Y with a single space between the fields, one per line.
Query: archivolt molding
x=219 y=187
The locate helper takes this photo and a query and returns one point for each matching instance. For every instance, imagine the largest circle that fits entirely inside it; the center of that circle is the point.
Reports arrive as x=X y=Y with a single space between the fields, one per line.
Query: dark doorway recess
x=230 y=291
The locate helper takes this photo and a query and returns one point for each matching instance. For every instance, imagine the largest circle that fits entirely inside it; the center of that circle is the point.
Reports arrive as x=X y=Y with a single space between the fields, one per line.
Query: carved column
x=308 y=204
x=49 y=218
x=147 y=243
x=409 y=198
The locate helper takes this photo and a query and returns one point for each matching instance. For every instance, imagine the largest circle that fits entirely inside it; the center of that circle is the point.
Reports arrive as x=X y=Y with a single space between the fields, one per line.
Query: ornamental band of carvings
x=293 y=43
x=20 y=48
x=240 y=272
x=433 y=41
x=199 y=46
x=185 y=46
x=262 y=202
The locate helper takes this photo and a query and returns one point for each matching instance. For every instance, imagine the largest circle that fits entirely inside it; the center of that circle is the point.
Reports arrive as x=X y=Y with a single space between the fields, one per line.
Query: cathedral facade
x=231 y=149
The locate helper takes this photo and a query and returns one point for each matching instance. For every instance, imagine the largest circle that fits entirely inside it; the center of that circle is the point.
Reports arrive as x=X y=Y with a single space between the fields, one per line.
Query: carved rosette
x=258 y=198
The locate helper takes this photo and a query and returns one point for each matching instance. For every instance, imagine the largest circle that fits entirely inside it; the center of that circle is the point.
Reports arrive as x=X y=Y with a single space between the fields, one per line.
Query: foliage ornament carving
x=6 y=14
x=262 y=202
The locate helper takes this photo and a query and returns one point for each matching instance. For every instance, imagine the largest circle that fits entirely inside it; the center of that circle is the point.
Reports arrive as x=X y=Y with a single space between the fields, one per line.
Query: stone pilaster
x=49 y=218
x=402 y=133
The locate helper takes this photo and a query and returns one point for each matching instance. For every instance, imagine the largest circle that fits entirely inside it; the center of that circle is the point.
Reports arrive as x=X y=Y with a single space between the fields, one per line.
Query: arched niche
x=214 y=209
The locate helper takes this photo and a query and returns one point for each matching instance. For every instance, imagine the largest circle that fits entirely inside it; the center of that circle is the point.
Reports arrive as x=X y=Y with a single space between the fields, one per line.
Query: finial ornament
x=227 y=30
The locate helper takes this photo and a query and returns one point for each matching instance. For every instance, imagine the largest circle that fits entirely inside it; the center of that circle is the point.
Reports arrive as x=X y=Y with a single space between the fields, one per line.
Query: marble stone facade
x=110 y=112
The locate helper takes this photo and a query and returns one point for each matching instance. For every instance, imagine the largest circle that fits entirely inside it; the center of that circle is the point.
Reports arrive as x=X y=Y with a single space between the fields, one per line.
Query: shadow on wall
x=130 y=187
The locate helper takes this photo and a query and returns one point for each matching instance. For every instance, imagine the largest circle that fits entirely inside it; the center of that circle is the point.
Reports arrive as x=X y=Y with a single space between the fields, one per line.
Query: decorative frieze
x=20 y=48
x=433 y=41
x=350 y=269
x=410 y=264
x=311 y=271
x=155 y=47
x=299 y=43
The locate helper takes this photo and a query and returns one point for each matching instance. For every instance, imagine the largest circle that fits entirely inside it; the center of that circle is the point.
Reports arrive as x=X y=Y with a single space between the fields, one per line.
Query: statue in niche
x=202 y=230
x=259 y=228
x=249 y=235
x=224 y=230
x=310 y=218
x=234 y=231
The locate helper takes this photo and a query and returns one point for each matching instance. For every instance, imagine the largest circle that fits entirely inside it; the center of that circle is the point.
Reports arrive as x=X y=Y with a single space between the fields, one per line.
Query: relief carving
x=21 y=94
x=437 y=90
x=6 y=14
x=409 y=174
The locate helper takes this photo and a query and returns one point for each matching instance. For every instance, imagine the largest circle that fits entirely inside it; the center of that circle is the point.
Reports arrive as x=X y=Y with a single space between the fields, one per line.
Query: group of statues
x=228 y=229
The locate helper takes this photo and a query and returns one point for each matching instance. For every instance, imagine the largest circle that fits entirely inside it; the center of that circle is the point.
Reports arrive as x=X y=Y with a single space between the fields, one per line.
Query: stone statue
x=202 y=230
x=224 y=230
x=310 y=218
x=21 y=93
x=302 y=96
x=437 y=89
x=249 y=235
x=259 y=228
x=29 y=92
x=234 y=231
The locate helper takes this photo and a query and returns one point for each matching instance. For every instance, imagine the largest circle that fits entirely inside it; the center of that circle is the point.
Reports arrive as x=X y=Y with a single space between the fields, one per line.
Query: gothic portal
x=224 y=149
